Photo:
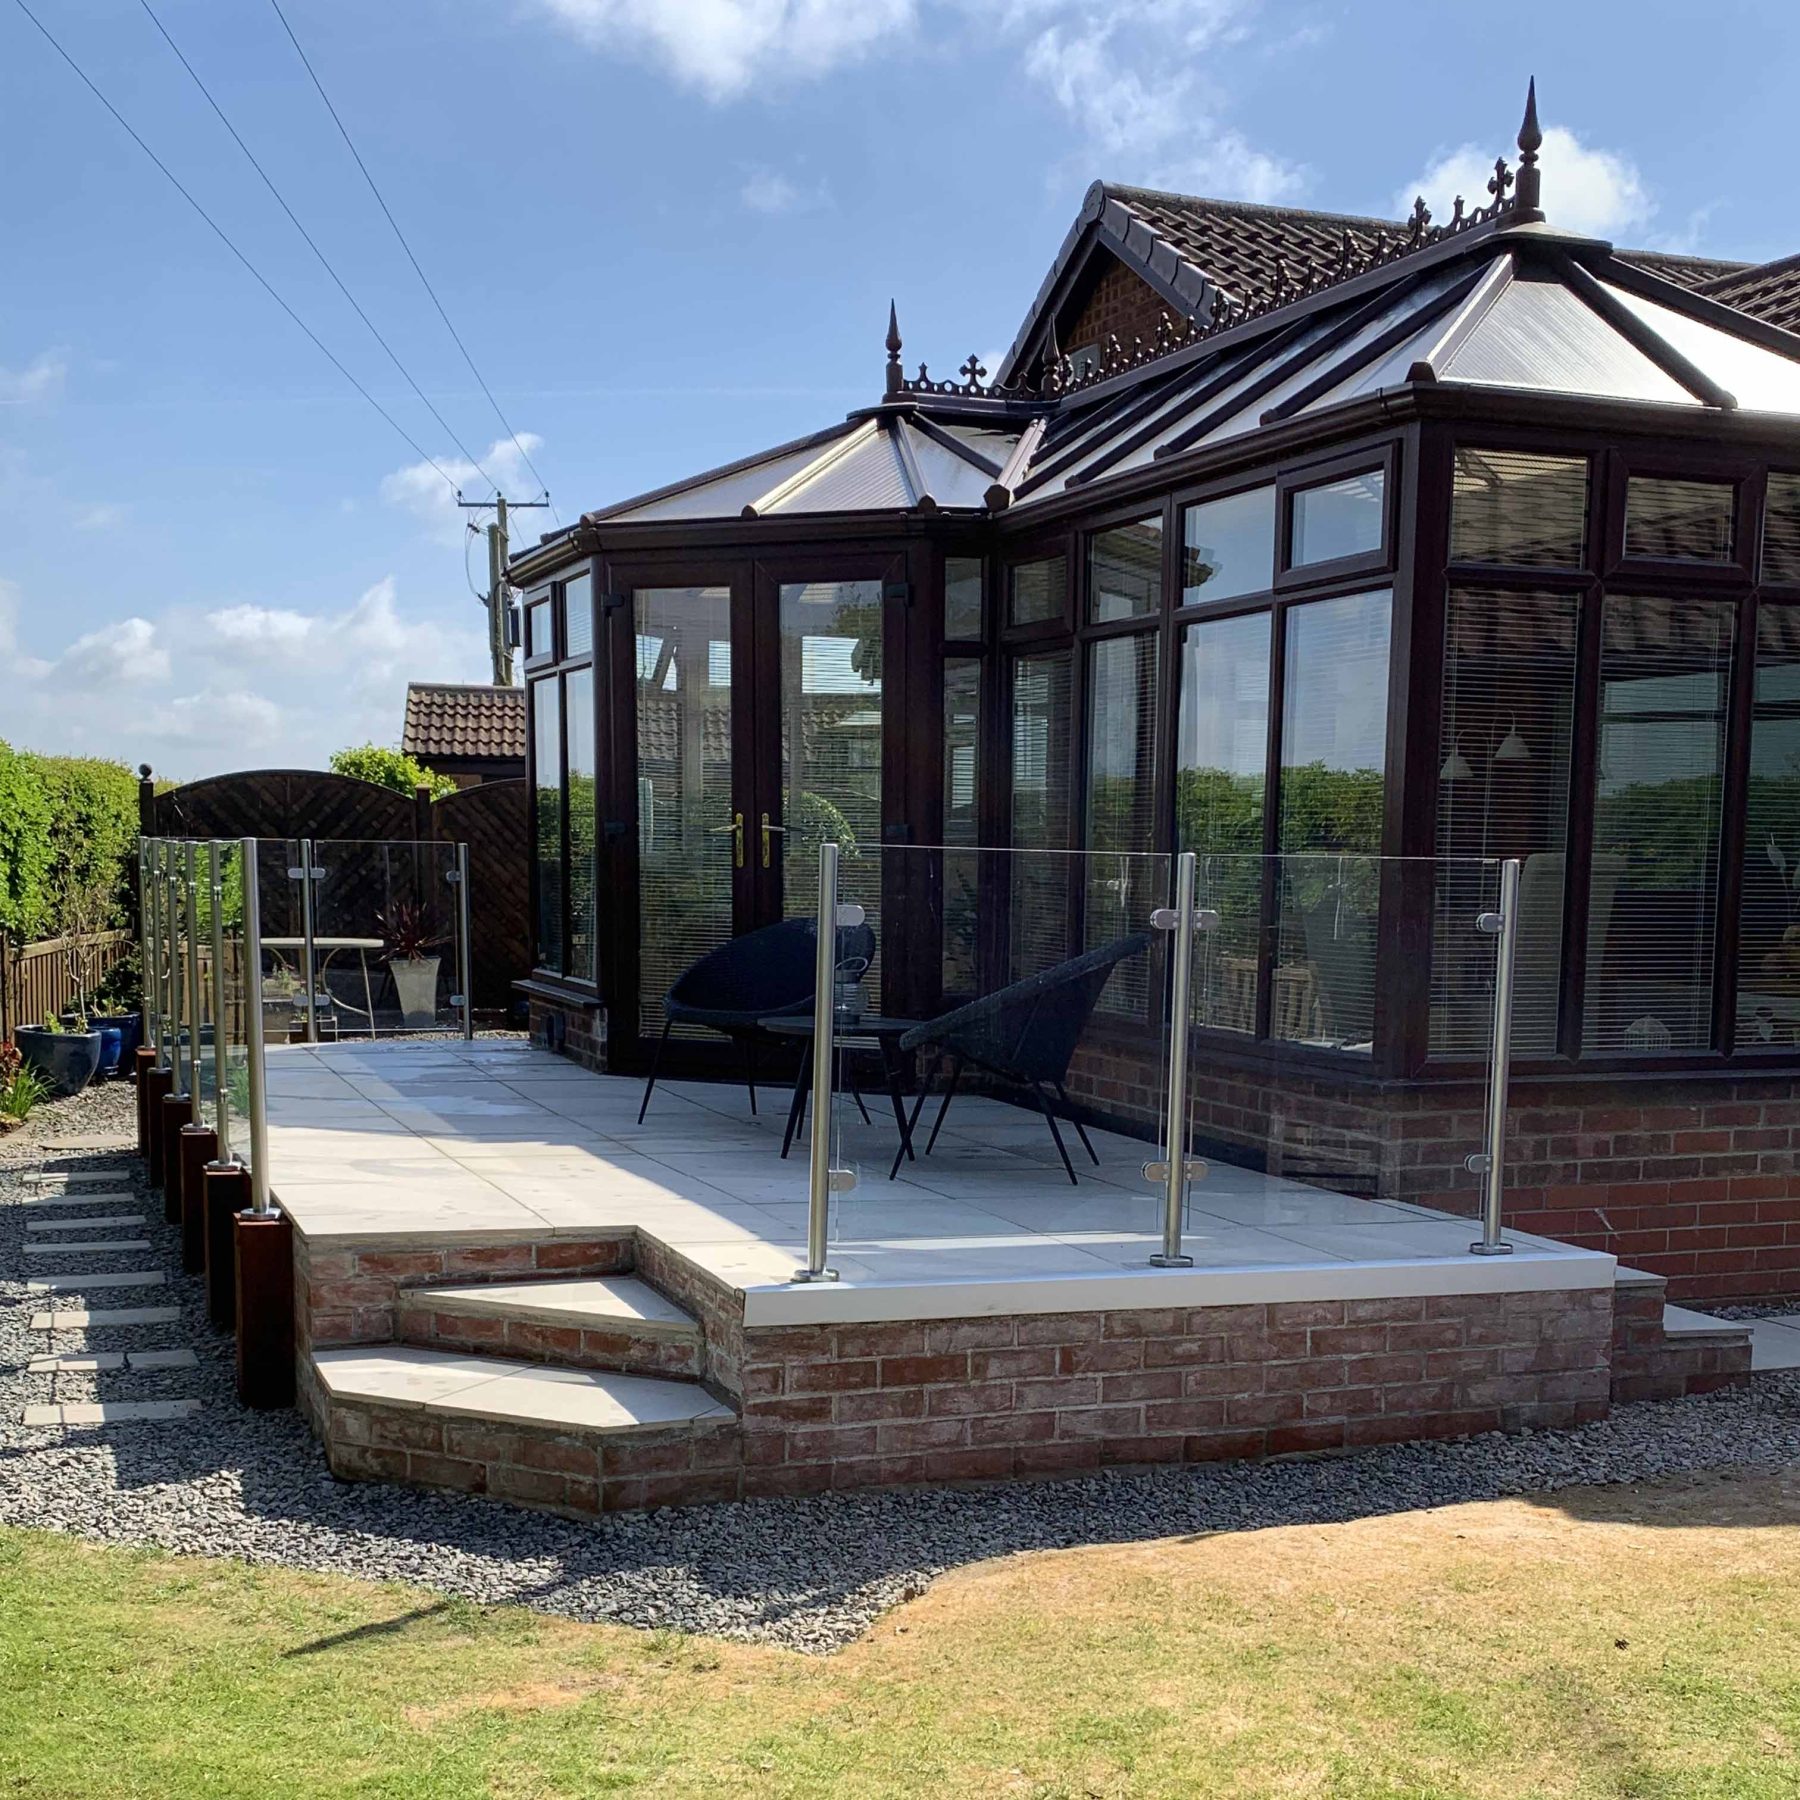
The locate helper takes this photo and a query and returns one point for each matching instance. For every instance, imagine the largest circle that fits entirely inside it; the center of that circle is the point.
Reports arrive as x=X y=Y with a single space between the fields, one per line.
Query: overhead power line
x=219 y=232
x=311 y=244
x=456 y=336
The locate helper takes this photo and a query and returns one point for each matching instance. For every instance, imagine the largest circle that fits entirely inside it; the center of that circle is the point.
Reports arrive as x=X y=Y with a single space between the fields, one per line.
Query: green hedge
x=68 y=834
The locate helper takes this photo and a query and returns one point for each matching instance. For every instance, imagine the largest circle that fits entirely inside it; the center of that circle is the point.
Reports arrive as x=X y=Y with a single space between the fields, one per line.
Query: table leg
x=797 y=1107
x=368 y=997
x=890 y=1059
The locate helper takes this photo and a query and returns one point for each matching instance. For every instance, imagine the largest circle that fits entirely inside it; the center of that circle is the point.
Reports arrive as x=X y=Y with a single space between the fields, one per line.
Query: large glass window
x=583 y=805
x=962 y=821
x=1121 y=810
x=540 y=638
x=1333 y=763
x=578 y=615
x=1514 y=507
x=546 y=837
x=1678 y=521
x=1037 y=592
x=1781 y=530
x=1222 y=748
x=1041 y=771
x=1125 y=571
x=1768 y=1001
x=962 y=597
x=1503 y=791
x=1228 y=546
x=1664 y=684
x=1336 y=519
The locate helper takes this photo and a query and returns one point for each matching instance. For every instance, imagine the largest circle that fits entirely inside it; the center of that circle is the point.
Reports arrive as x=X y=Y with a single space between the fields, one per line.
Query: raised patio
x=505 y=1283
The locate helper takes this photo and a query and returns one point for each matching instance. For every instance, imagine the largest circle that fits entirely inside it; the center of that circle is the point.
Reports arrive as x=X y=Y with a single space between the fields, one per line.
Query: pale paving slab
x=110 y=1412
x=77 y=1363
x=76 y=1284
x=1775 y=1344
x=110 y=1222
x=94 y=1247
x=162 y=1359
x=54 y=1197
x=85 y=1177
x=82 y=1318
x=598 y=1302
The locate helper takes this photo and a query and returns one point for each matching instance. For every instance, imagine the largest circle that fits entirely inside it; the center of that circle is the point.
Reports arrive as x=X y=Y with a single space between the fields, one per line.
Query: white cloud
x=261 y=631
x=420 y=490
x=1599 y=192
x=101 y=515
x=40 y=379
x=125 y=653
x=246 y=720
x=722 y=47
x=769 y=191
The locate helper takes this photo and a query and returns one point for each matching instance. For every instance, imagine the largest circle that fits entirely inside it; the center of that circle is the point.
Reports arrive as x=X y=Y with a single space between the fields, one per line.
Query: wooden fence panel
x=491 y=820
x=36 y=979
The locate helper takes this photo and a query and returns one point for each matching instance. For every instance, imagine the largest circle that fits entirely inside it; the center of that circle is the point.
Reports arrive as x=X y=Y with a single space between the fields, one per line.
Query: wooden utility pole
x=498 y=649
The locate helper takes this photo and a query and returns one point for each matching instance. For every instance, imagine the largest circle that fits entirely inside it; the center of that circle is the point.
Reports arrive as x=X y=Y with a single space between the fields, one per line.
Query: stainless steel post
x=1175 y=1122
x=307 y=958
x=191 y=883
x=153 y=947
x=144 y=935
x=462 y=942
x=215 y=874
x=1503 y=925
x=818 y=1208
x=253 y=1034
x=172 y=888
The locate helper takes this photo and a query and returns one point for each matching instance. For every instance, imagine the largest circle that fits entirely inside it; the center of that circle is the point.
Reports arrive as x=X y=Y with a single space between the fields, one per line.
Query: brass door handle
x=767 y=830
x=736 y=828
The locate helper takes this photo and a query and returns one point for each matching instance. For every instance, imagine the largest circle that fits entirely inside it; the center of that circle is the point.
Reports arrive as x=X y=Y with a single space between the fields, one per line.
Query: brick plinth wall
x=1647 y=1364
x=575 y=1031
x=868 y=1405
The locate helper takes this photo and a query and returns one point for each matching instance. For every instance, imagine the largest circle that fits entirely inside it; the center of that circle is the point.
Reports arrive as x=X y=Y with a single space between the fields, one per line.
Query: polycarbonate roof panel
x=867 y=478
x=1759 y=379
x=950 y=480
x=996 y=446
x=726 y=496
x=1540 y=335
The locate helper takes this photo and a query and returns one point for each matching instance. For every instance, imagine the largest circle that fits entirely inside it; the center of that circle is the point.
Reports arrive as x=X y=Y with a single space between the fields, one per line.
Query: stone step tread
x=86 y=1177
x=581 y=1400
x=1684 y=1321
x=87 y=1318
x=109 y=1412
x=95 y=1247
x=76 y=1284
x=100 y=1361
x=57 y=1197
x=112 y=1222
x=593 y=1303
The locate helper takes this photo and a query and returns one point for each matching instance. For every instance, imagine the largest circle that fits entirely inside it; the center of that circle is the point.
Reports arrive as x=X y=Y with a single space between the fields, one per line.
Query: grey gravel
x=810 y=1574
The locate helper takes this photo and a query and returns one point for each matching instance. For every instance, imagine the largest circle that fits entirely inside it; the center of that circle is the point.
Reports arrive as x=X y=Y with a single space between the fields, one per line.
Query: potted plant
x=410 y=941
x=20 y=1088
x=66 y=1059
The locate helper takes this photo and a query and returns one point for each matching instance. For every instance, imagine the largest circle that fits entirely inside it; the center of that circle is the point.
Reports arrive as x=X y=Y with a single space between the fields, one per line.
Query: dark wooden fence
x=39 y=979
x=309 y=803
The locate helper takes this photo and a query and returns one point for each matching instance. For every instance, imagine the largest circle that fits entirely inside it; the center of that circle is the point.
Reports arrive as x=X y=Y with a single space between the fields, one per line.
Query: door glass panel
x=830 y=743
x=1121 y=803
x=1768 y=1010
x=546 y=793
x=1042 y=755
x=962 y=820
x=684 y=799
x=578 y=710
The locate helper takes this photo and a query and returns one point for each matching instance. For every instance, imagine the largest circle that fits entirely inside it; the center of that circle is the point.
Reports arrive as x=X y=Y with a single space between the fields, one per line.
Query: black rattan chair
x=760 y=975
x=1024 y=1036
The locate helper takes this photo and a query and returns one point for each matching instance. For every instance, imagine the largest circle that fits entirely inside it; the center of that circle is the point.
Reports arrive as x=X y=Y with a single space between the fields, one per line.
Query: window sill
x=546 y=987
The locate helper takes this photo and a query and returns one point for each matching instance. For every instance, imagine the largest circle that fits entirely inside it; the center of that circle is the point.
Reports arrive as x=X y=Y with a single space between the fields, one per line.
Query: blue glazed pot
x=120 y=1035
x=66 y=1059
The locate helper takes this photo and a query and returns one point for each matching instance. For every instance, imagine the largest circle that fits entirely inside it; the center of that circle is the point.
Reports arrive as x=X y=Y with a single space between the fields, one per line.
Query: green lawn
x=1602 y=1643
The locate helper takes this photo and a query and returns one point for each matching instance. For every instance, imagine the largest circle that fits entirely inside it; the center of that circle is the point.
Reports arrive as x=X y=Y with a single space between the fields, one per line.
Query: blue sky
x=668 y=231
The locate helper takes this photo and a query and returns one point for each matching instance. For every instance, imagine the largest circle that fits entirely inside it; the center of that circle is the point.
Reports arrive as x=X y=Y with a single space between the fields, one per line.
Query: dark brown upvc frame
x=1300 y=477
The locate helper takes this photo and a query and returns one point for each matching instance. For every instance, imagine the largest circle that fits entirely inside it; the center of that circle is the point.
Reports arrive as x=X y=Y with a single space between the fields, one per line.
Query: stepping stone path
x=75 y=1212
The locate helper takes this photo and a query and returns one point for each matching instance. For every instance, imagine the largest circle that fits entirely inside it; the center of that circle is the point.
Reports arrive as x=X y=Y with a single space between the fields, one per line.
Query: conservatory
x=1354 y=556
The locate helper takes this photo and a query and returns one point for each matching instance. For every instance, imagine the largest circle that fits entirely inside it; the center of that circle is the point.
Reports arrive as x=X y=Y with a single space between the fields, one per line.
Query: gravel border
x=809 y=1574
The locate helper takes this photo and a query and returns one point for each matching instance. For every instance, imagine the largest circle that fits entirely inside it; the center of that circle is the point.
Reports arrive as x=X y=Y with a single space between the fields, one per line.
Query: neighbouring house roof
x=447 y=719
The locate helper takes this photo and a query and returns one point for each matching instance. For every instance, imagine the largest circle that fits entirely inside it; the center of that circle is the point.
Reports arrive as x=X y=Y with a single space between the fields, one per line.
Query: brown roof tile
x=1768 y=291
x=453 y=719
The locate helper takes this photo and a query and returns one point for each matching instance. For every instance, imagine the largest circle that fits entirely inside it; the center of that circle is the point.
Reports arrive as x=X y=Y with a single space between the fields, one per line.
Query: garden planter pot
x=66 y=1059
x=119 y=1037
x=415 y=981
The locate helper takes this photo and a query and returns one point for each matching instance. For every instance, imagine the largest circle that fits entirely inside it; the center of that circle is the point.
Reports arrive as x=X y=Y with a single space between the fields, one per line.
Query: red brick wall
x=1122 y=305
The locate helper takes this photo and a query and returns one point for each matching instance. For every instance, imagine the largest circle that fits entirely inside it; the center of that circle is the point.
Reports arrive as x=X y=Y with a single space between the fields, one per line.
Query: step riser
x=623 y=1351
x=572 y=1473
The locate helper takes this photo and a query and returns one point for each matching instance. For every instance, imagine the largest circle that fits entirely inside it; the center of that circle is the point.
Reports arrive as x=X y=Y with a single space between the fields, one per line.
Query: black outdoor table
x=875 y=1030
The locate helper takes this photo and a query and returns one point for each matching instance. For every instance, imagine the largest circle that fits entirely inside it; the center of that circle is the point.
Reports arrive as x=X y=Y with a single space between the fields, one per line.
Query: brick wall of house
x=577 y=1032
x=1122 y=305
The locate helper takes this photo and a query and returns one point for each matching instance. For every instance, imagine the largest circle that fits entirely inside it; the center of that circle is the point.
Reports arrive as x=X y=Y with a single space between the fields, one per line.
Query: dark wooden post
x=147 y=802
x=156 y=1085
x=225 y=1192
x=422 y=813
x=199 y=1146
x=177 y=1111
x=264 y=1254
x=142 y=1064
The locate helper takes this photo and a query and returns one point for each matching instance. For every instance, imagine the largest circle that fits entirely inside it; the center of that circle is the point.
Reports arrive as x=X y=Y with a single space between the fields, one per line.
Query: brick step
x=611 y=1322
x=566 y=1440
x=1662 y=1352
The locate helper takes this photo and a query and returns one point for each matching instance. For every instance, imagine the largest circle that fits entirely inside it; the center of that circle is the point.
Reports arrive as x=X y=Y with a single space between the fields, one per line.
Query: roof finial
x=895 y=374
x=1526 y=195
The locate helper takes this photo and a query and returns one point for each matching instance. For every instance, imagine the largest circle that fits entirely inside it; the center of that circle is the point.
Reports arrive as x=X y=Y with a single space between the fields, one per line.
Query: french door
x=756 y=729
